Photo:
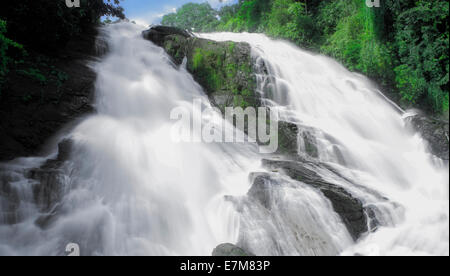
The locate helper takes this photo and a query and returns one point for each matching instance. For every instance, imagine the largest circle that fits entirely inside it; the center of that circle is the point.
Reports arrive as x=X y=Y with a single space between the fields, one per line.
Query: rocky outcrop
x=262 y=189
x=230 y=250
x=349 y=208
x=287 y=138
x=49 y=187
x=158 y=34
x=434 y=131
x=44 y=189
x=44 y=95
x=223 y=69
x=9 y=200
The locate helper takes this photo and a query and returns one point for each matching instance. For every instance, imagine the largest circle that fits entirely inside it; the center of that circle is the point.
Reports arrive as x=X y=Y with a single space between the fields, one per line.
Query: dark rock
x=9 y=201
x=349 y=208
x=287 y=138
x=158 y=34
x=49 y=187
x=47 y=219
x=293 y=137
x=64 y=150
x=50 y=178
x=310 y=144
x=230 y=250
x=224 y=69
x=434 y=131
x=262 y=189
x=32 y=112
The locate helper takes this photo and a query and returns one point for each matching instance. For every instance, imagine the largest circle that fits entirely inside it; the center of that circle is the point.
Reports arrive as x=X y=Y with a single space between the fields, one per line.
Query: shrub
x=5 y=58
x=47 y=25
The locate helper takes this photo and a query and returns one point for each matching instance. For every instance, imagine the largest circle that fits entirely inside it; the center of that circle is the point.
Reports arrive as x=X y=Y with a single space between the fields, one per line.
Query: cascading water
x=364 y=137
x=129 y=189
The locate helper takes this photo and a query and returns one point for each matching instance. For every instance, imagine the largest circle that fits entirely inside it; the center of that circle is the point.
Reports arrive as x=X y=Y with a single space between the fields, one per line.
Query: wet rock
x=64 y=150
x=51 y=179
x=294 y=137
x=262 y=189
x=46 y=220
x=9 y=201
x=434 y=131
x=230 y=250
x=224 y=69
x=349 y=208
x=48 y=190
x=309 y=144
x=158 y=34
x=287 y=138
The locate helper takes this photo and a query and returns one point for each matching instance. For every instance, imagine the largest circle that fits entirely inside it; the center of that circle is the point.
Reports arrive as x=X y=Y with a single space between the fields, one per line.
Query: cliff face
x=223 y=69
x=42 y=96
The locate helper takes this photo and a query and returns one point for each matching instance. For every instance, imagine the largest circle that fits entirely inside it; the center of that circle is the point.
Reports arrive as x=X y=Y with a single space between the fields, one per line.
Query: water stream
x=129 y=189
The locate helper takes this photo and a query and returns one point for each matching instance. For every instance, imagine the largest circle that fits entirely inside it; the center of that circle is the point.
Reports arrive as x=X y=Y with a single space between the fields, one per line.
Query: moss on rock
x=223 y=69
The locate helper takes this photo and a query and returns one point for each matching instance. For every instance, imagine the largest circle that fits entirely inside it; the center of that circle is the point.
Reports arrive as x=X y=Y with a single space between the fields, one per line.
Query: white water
x=376 y=150
x=131 y=190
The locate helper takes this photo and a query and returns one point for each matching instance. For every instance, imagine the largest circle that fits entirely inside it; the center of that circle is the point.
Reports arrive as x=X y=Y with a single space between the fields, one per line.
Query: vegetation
x=218 y=68
x=5 y=48
x=196 y=17
x=403 y=45
x=43 y=28
x=47 y=25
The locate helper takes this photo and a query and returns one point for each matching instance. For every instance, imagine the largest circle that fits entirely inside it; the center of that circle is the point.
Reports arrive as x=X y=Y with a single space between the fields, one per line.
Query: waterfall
x=362 y=135
x=129 y=189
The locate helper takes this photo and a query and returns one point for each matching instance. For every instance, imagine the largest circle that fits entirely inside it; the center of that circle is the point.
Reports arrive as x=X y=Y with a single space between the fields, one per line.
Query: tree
x=403 y=45
x=422 y=42
x=5 y=45
x=196 y=17
x=47 y=25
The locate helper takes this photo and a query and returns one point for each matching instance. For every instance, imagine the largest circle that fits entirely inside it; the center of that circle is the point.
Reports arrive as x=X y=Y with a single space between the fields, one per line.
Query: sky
x=148 y=12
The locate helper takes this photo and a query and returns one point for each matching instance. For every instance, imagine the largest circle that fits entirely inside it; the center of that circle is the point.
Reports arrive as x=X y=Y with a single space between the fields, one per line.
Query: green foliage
x=251 y=15
x=248 y=16
x=288 y=19
x=221 y=70
x=196 y=17
x=422 y=42
x=198 y=58
x=403 y=45
x=5 y=57
x=354 y=40
x=204 y=64
x=47 y=25
x=410 y=83
x=231 y=46
x=239 y=101
x=445 y=104
x=34 y=74
x=44 y=27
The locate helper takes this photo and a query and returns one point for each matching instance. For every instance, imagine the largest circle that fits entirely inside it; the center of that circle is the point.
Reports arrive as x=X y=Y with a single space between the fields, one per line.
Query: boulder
x=50 y=178
x=309 y=143
x=287 y=138
x=9 y=200
x=64 y=149
x=434 y=131
x=262 y=189
x=224 y=69
x=230 y=250
x=349 y=208
x=158 y=34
